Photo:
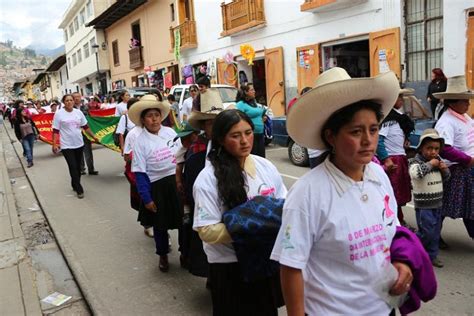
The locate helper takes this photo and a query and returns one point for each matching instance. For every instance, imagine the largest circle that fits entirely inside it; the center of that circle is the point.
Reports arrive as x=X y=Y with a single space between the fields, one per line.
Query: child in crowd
x=428 y=172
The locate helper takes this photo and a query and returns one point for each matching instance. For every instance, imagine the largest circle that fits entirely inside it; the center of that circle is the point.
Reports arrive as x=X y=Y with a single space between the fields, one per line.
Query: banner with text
x=44 y=124
x=102 y=127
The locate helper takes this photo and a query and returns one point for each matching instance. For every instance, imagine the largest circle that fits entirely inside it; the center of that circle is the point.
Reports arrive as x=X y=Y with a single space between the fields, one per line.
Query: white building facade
x=296 y=40
x=86 y=51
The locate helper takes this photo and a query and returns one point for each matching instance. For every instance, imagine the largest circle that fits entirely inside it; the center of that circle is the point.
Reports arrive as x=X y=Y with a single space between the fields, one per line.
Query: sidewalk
x=31 y=263
x=18 y=292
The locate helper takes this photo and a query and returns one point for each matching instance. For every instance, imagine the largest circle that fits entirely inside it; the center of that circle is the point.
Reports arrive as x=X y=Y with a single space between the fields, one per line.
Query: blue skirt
x=458 y=193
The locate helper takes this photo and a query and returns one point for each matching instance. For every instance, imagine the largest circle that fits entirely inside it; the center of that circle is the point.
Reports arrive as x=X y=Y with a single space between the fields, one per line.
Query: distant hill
x=49 y=52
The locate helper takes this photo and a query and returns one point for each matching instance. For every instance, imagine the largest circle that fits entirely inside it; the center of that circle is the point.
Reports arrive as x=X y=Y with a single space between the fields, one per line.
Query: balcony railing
x=187 y=32
x=136 y=58
x=240 y=15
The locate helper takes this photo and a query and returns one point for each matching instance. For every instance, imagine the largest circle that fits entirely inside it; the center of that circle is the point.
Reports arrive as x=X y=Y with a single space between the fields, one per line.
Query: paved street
x=115 y=265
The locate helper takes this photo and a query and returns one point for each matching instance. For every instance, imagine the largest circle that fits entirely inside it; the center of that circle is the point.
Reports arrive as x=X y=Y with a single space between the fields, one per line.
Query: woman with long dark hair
x=247 y=104
x=234 y=177
x=438 y=84
x=26 y=132
x=68 y=123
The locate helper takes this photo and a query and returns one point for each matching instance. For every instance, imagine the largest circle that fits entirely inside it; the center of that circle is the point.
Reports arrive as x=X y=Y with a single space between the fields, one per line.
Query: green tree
x=43 y=61
x=3 y=59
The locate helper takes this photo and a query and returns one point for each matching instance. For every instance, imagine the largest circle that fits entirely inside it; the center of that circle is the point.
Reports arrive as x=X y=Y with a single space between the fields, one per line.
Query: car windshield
x=228 y=94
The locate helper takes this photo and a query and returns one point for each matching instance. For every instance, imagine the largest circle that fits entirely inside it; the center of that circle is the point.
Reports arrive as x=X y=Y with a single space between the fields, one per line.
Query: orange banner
x=107 y=112
x=44 y=124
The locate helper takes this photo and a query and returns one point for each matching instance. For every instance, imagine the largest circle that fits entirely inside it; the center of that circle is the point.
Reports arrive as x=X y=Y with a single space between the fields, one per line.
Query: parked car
x=134 y=92
x=228 y=93
x=298 y=155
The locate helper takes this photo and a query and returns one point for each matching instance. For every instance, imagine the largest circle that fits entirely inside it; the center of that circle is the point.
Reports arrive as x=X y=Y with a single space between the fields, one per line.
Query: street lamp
x=96 y=49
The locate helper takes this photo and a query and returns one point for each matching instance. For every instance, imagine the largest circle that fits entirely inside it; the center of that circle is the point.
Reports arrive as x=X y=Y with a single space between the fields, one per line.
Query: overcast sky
x=32 y=22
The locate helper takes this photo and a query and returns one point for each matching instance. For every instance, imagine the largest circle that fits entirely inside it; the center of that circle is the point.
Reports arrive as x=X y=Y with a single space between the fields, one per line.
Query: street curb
x=93 y=303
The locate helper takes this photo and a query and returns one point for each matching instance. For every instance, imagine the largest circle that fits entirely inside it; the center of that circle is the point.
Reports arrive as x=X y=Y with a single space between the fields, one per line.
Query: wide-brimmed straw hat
x=211 y=106
x=457 y=89
x=430 y=133
x=335 y=89
x=148 y=102
x=406 y=91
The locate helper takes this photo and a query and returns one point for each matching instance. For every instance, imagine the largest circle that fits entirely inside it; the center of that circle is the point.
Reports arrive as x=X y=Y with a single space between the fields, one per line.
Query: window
x=172 y=12
x=65 y=35
x=424 y=33
x=74 y=59
x=69 y=62
x=89 y=8
x=115 y=53
x=86 y=50
x=79 y=56
x=60 y=77
x=71 y=30
x=82 y=17
x=136 y=34
x=76 y=24
x=92 y=41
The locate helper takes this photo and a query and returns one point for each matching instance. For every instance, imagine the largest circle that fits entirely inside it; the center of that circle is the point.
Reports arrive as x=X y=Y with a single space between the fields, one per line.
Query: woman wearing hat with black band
x=339 y=219
x=154 y=166
x=457 y=129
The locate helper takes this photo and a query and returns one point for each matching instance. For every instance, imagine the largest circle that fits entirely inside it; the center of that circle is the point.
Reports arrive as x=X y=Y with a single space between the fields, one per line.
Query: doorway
x=354 y=57
x=258 y=80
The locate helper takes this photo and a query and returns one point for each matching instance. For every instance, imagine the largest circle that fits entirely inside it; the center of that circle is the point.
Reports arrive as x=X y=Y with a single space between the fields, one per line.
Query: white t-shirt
x=186 y=109
x=341 y=242
x=130 y=139
x=394 y=137
x=456 y=132
x=124 y=124
x=69 y=125
x=209 y=208
x=155 y=154
x=314 y=153
x=121 y=109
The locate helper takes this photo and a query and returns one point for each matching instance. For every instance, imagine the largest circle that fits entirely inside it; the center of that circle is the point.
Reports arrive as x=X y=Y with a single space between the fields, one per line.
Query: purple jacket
x=407 y=248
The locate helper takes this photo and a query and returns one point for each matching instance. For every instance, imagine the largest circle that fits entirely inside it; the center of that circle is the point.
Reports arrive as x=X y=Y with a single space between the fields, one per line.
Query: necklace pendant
x=364 y=197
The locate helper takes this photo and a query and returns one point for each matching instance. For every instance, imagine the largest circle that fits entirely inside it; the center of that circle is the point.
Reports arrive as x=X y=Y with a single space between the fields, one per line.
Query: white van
x=228 y=93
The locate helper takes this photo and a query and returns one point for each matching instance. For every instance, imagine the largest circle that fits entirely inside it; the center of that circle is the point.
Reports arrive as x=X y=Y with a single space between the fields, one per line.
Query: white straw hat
x=430 y=133
x=148 y=101
x=211 y=106
x=457 y=89
x=335 y=89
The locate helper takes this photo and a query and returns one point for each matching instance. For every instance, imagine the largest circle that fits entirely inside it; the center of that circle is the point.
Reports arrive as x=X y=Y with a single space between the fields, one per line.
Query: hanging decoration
x=229 y=58
x=177 y=44
x=248 y=53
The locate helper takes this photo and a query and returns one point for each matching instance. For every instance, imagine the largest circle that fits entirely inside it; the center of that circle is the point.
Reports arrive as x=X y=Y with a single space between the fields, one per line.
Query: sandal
x=164 y=264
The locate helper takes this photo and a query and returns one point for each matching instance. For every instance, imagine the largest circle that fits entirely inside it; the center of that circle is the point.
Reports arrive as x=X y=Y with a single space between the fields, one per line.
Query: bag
x=117 y=136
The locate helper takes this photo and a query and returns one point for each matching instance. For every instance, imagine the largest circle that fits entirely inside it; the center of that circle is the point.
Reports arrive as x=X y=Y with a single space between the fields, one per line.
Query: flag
x=104 y=129
x=107 y=112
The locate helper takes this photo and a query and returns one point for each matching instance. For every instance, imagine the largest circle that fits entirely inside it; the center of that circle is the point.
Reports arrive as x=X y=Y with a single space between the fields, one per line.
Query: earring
x=333 y=150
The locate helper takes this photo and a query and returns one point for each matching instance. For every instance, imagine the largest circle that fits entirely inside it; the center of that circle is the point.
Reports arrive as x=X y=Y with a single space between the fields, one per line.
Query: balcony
x=328 y=5
x=240 y=15
x=136 y=58
x=187 y=34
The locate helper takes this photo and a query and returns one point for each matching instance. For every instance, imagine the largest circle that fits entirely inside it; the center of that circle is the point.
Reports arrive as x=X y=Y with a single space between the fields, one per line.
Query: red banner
x=44 y=124
x=107 y=112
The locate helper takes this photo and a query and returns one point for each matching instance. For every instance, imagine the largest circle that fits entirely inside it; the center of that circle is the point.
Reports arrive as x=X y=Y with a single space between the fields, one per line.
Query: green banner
x=177 y=44
x=104 y=128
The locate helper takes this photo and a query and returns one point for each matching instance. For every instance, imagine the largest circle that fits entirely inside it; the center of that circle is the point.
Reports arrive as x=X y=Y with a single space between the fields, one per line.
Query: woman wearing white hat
x=457 y=129
x=154 y=166
x=340 y=218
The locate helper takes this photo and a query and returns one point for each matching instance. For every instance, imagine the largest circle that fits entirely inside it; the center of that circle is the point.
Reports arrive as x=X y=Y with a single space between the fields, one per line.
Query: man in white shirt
x=187 y=105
